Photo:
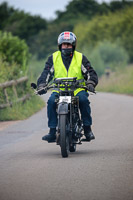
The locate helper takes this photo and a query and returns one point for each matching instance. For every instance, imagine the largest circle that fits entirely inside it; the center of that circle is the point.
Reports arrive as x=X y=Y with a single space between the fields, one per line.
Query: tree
x=24 y=25
x=5 y=14
x=114 y=27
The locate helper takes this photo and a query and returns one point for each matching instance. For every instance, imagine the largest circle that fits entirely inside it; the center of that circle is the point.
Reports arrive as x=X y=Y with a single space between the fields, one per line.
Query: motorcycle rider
x=67 y=62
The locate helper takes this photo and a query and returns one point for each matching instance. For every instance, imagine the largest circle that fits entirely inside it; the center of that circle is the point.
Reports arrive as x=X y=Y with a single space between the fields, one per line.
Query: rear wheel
x=64 y=137
x=72 y=148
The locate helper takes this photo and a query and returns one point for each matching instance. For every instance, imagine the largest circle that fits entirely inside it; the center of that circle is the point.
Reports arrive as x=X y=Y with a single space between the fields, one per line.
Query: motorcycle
x=70 y=126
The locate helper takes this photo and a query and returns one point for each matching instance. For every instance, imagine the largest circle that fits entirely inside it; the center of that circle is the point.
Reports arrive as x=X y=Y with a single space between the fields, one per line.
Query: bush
x=14 y=56
x=14 y=51
x=8 y=71
x=107 y=54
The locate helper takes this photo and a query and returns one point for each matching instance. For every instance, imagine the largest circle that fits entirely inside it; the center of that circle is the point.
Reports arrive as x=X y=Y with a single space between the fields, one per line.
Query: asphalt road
x=31 y=169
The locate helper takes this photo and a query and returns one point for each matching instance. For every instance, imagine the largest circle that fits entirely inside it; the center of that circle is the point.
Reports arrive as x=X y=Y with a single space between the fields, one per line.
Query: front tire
x=64 y=137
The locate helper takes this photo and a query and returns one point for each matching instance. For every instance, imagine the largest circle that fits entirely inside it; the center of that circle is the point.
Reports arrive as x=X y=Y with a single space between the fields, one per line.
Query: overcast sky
x=44 y=8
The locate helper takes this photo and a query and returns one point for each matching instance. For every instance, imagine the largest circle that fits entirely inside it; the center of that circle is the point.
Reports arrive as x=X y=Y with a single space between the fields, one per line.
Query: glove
x=90 y=87
x=41 y=90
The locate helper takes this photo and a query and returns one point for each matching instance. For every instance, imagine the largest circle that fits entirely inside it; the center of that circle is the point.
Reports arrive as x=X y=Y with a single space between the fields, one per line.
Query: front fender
x=62 y=108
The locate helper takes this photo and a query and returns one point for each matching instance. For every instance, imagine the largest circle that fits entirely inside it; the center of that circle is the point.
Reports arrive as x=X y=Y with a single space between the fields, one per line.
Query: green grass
x=119 y=82
x=35 y=68
x=21 y=110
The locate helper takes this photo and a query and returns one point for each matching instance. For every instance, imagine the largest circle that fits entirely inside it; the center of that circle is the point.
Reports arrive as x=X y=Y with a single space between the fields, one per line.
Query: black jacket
x=88 y=72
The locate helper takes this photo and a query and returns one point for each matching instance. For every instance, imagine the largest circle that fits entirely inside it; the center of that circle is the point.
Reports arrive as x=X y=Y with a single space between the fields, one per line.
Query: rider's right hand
x=41 y=89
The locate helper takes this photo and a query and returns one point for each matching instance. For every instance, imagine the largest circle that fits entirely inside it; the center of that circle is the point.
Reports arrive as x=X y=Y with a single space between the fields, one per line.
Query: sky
x=44 y=8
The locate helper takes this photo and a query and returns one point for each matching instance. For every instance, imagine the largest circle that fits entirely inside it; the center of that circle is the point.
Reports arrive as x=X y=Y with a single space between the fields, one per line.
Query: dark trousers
x=84 y=106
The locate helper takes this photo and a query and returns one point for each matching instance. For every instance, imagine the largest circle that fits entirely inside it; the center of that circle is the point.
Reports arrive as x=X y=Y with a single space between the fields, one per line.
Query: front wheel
x=64 y=137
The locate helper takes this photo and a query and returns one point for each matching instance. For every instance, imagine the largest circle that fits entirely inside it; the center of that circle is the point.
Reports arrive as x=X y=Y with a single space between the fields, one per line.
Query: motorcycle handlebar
x=52 y=87
x=57 y=85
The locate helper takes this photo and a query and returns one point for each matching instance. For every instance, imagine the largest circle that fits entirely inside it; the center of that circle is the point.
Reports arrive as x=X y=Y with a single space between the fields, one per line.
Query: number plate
x=66 y=99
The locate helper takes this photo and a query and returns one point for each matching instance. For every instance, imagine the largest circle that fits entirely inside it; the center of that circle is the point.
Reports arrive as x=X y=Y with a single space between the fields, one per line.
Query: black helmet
x=67 y=37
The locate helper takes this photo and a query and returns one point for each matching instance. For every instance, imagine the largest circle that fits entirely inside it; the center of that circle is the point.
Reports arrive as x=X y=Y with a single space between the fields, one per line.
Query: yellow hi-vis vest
x=74 y=68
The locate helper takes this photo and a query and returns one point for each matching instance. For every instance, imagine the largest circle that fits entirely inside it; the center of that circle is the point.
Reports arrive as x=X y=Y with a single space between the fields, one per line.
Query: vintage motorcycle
x=70 y=126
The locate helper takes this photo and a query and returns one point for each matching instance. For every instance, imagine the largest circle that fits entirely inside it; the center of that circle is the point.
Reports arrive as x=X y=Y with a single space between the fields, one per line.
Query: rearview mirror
x=33 y=85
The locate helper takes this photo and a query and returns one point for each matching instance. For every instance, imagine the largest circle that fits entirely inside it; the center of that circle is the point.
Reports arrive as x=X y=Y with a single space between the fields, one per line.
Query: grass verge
x=119 y=82
x=21 y=110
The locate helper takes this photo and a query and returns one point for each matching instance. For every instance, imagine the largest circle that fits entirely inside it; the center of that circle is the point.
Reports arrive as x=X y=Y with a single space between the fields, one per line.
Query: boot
x=51 y=137
x=88 y=133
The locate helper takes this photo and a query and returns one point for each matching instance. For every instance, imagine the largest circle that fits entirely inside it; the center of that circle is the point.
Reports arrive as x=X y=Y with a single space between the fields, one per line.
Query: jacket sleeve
x=88 y=72
x=47 y=73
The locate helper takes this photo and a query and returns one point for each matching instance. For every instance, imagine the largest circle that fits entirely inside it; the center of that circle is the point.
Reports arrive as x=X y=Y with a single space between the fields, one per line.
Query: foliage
x=107 y=54
x=14 y=57
x=87 y=9
x=95 y=60
x=117 y=27
x=11 y=72
x=14 y=51
x=20 y=23
x=78 y=8
x=113 y=55
x=35 y=68
x=120 y=81
x=5 y=13
x=22 y=111
x=8 y=71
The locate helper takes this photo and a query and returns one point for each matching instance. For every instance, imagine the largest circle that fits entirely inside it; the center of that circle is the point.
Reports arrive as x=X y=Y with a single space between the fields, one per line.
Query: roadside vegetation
x=35 y=68
x=20 y=111
x=105 y=35
x=120 y=81
x=14 y=56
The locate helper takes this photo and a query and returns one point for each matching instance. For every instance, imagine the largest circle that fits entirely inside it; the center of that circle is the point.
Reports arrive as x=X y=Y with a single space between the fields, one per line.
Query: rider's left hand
x=90 y=87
